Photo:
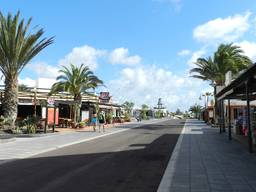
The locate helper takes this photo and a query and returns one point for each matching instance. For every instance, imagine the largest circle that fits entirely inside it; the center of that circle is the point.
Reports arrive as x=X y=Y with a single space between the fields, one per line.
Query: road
x=133 y=160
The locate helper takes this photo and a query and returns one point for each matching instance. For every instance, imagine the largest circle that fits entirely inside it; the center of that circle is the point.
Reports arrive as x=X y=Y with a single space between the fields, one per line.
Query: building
x=160 y=108
x=57 y=109
x=241 y=88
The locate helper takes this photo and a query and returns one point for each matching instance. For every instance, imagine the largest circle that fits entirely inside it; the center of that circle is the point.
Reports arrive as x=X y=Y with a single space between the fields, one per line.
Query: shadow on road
x=128 y=170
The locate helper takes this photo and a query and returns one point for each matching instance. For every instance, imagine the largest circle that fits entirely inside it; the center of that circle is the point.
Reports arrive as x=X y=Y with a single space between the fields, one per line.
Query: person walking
x=94 y=121
x=102 y=121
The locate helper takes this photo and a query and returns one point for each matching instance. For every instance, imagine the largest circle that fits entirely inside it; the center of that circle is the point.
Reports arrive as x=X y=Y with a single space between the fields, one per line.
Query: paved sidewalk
x=26 y=147
x=204 y=161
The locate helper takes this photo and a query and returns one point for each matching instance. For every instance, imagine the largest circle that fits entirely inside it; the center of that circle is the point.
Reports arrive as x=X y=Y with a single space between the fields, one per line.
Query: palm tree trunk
x=10 y=101
x=77 y=107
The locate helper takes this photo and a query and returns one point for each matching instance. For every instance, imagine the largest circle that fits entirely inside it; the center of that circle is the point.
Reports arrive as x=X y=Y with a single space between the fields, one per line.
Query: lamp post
x=206 y=98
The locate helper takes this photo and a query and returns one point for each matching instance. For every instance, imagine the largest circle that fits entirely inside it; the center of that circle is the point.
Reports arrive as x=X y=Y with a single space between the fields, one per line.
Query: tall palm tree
x=228 y=57
x=18 y=46
x=76 y=81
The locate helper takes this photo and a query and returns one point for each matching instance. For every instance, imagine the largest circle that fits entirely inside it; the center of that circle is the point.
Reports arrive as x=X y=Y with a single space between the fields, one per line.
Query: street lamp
x=206 y=97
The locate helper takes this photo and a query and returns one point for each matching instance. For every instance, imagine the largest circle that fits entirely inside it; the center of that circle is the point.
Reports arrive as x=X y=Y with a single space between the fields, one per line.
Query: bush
x=30 y=123
x=127 y=118
x=81 y=124
x=109 y=118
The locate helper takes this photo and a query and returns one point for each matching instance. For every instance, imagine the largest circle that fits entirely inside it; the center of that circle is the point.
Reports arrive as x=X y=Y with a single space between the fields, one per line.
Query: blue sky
x=142 y=49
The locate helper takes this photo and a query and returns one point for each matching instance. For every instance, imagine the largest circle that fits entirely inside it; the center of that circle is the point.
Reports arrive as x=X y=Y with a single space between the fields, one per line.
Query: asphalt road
x=133 y=160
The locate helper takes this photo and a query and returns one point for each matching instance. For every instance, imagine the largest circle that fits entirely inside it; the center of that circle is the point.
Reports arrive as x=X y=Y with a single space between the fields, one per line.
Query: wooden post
x=35 y=101
x=54 y=118
x=229 y=121
x=219 y=115
x=223 y=116
x=248 y=118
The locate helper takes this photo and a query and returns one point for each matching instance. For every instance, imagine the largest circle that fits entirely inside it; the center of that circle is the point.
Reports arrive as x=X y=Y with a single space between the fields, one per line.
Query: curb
x=7 y=140
x=167 y=178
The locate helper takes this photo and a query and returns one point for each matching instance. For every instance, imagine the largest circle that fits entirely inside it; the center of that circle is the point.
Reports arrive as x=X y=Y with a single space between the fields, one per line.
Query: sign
x=50 y=101
x=85 y=115
x=104 y=97
x=51 y=116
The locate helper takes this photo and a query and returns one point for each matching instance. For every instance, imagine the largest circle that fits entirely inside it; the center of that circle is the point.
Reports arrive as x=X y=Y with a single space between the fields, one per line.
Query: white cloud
x=43 y=69
x=27 y=81
x=145 y=84
x=86 y=54
x=223 y=29
x=249 y=49
x=195 y=56
x=184 y=52
x=121 y=56
x=45 y=82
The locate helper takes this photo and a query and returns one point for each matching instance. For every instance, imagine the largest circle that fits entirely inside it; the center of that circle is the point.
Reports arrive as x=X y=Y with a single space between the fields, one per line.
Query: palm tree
x=128 y=106
x=196 y=109
x=18 y=46
x=76 y=81
x=23 y=87
x=228 y=57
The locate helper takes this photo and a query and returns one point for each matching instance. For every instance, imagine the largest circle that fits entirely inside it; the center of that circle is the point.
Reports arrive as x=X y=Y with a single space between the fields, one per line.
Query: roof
x=237 y=88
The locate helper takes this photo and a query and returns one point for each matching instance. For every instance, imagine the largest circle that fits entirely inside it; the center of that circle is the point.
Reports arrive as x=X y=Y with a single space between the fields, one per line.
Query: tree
x=18 y=46
x=76 y=81
x=128 y=106
x=144 y=110
x=23 y=87
x=196 y=110
x=178 y=112
x=206 y=95
x=228 y=57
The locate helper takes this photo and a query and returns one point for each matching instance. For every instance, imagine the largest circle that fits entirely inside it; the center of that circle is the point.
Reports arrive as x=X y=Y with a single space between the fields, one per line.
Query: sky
x=141 y=49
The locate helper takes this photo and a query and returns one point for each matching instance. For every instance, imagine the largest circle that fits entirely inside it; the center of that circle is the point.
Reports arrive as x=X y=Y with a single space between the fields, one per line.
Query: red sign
x=51 y=116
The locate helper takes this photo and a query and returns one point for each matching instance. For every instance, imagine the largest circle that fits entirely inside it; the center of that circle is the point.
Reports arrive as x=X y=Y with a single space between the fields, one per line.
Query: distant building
x=160 y=108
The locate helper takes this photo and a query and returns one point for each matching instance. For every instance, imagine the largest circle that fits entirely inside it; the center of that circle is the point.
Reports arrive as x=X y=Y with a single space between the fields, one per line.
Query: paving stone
x=212 y=162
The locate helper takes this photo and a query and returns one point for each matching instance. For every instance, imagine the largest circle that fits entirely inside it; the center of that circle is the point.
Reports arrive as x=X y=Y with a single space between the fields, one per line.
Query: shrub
x=81 y=124
x=109 y=118
x=30 y=123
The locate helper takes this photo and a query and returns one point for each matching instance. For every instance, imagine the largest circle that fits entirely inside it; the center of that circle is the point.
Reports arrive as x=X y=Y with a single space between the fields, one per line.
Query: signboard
x=85 y=115
x=210 y=114
x=51 y=116
x=50 y=101
x=104 y=97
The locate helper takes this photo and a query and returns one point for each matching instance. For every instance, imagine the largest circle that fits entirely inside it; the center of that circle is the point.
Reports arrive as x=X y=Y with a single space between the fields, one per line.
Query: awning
x=237 y=88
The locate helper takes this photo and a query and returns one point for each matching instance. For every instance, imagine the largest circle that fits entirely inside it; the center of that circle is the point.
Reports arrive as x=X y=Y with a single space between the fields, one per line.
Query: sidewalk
x=26 y=147
x=204 y=160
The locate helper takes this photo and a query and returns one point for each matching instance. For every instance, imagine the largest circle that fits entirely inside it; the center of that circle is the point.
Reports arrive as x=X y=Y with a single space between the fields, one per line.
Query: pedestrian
x=94 y=121
x=101 y=121
x=240 y=123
